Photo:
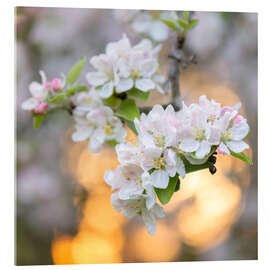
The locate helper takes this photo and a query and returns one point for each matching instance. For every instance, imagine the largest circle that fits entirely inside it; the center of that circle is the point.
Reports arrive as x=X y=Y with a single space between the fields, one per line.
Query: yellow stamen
x=107 y=129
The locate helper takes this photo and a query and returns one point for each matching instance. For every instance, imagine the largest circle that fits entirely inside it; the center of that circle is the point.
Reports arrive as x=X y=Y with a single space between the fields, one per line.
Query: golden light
x=62 y=250
x=164 y=246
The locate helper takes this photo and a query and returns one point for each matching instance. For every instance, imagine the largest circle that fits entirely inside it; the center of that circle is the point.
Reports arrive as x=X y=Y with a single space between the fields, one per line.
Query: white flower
x=39 y=92
x=234 y=129
x=99 y=125
x=128 y=153
x=132 y=207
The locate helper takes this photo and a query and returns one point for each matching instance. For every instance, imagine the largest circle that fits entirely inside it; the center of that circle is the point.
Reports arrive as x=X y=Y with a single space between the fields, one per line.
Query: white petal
x=43 y=77
x=149 y=67
x=96 y=78
x=158 y=210
x=129 y=190
x=124 y=85
x=223 y=149
x=81 y=134
x=237 y=146
x=113 y=178
x=189 y=145
x=149 y=221
x=203 y=150
x=37 y=90
x=239 y=131
x=159 y=31
x=151 y=197
x=96 y=141
x=144 y=84
x=106 y=90
x=29 y=104
x=160 y=178
x=180 y=167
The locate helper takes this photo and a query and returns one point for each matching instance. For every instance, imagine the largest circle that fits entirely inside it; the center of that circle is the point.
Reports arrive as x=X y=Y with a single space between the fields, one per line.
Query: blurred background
x=64 y=214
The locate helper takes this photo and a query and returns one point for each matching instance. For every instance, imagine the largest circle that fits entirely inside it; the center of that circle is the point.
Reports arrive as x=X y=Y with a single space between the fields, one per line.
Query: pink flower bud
x=56 y=84
x=41 y=108
x=238 y=119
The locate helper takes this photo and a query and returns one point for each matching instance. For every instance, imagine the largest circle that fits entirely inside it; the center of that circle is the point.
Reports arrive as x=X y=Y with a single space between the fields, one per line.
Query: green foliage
x=131 y=126
x=37 y=120
x=164 y=195
x=112 y=101
x=74 y=90
x=112 y=143
x=57 y=98
x=136 y=93
x=181 y=25
x=128 y=110
x=75 y=71
x=242 y=156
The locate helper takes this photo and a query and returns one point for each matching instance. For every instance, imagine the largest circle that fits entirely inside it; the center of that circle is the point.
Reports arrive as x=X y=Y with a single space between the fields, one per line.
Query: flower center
x=227 y=136
x=212 y=118
x=108 y=129
x=159 y=163
x=200 y=134
x=159 y=141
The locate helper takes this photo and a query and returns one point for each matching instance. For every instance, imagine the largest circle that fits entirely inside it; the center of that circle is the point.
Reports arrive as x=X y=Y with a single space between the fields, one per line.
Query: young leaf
x=131 y=126
x=170 y=24
x=74 y=90
x=57 y=98
x=185 y=16
x=128 y=110
x=75 y=71
x=37 y=120
x=164 y=195
x=135 y=93
x=183 y=24
x=242 y=156
x=112 y=101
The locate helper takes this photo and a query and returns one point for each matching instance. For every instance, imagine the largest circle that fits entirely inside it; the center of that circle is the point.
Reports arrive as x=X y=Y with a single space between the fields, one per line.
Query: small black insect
x=212 y=159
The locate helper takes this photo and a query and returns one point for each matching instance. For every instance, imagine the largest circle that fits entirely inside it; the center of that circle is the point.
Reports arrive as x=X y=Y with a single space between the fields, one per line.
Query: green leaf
x=57 y=98
x=177 y=187
x=37 y=120
x=164 y=195
x=131 y=126
x=170 y=24
x=112 y=101
x=242 y=156
x=183 y=24
x=136 y=93
x=185 y=16
x=192 y=24
x=75 y=71
x=193 y=168
x=128 y=110
x=112 y=143
x=74 y=90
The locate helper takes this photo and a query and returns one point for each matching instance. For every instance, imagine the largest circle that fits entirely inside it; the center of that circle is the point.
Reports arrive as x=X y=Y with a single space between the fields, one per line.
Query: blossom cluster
x=167 y=140
x=123 y=67
x=95 y=121
x=41 y=92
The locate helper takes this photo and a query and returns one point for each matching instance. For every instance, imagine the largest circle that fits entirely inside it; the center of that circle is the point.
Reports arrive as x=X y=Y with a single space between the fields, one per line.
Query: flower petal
x=149 y=221
x=96 y=141
x=82 y=133
x=223 y=149
x=29 y=104
x=203 y=150
x=149 y=67
x=189 y=145
x=107 y=90
x=160 y=178
x=96 y=78
x=124 y=85
x=237 y=146
x=239 y=131
x=144 y=84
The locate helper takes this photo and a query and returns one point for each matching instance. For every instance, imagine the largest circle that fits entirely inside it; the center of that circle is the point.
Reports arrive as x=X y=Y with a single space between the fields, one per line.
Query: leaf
x=183 y=24
x=37 y=120
x=185 y=16
x=192 y=24
x=75 y=71
x=164 y=195
x=57 y=98
x=177 y=187
x=128 y=110
x=136 y=93
x=131 y=126
x=112 y=143
x=170 y=24
x=193 y=168
x=74 y=90
x=112 y=101
x=242 y=156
